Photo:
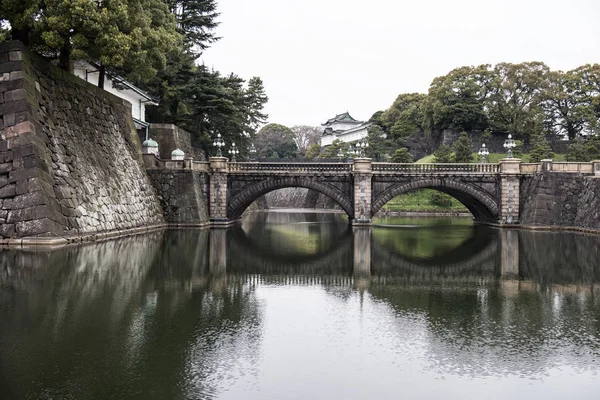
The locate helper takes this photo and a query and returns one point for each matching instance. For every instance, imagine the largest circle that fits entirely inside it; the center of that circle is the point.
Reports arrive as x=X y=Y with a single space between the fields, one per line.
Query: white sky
x=318 y=58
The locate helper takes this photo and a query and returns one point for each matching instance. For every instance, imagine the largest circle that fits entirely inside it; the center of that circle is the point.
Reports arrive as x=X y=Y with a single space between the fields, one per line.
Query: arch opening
x=480 y=204
x=242 y=200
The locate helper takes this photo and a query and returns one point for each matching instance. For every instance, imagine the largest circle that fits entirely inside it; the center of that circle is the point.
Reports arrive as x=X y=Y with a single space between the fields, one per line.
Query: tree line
x=155 y=44
x=536 y=105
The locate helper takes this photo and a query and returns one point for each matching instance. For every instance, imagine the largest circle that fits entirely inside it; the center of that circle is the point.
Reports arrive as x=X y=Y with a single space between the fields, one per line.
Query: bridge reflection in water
x=353 y=256
x=194 y=308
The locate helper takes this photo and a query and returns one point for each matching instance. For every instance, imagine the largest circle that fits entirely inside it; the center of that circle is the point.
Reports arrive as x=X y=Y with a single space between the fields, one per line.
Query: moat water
x=296 y=305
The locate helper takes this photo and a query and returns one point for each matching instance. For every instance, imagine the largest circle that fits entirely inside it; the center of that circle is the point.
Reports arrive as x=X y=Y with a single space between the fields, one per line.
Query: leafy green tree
x=381 y=145
x=589 y=91
x=402 y=156
x=331 y=152
x=131 y=34
x=584 y=150
x=405 y=116
x=275 y=141
x=462 y=149
x=541 y=149
x=456 y=100
x=443 y=155
x=576 y=150
x=313 y=151
x=514 y=96
x=565 y=105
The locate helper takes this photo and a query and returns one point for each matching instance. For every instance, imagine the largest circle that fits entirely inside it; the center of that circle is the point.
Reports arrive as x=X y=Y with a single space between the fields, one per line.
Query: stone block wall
x=70 y=158
x=182 y=194
x=170 y=137
x=561 y=200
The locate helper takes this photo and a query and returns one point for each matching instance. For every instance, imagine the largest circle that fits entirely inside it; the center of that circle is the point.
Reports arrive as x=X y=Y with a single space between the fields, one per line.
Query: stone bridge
x=491 y=192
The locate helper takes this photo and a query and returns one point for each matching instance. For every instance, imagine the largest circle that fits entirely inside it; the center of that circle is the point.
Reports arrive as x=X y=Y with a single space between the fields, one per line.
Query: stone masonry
x=70 y=158
x=182 y=194
x=561 y=200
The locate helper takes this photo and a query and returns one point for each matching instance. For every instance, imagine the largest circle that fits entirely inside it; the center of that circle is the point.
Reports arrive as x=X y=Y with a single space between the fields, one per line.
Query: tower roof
x=344 y=117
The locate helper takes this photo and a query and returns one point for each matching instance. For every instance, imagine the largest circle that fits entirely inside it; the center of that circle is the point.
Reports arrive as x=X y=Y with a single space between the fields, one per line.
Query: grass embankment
x=422 y=200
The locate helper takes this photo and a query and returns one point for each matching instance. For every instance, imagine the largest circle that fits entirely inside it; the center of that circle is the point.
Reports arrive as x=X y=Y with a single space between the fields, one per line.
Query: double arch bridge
x=361 y=187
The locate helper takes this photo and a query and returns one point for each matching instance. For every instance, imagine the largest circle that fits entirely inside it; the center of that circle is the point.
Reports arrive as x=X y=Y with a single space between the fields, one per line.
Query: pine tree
x=196 y=20
x=402 y=156
x=443 y=155
x=541 y=149
x=462 y=149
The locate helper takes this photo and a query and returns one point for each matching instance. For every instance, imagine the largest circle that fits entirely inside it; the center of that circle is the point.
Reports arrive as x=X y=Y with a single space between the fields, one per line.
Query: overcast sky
x=318 y=58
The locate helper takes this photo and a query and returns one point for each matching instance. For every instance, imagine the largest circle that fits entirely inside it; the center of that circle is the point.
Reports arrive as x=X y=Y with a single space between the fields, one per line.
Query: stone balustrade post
x=510 y=168
x=362 y=173
x=596 y=167
x=218 y=190
x=546 y=165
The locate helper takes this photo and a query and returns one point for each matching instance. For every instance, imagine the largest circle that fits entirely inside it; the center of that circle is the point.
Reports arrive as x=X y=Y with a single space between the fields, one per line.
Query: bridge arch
x=240 y=201
x=482 y=206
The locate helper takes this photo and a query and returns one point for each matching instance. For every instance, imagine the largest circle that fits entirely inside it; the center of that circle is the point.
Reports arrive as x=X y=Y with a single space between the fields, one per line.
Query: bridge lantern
x=509 y=144
x=177 y=155
x=483 y=152
x=150 y=147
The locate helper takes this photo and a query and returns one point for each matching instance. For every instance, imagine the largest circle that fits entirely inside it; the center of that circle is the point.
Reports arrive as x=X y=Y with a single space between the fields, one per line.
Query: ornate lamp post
x=350 y=153
x=218 y=143
x=509 y=144
x=340 y=154
x=360 y=148
x=252 y=152
x=233 y=152
x=483 y=152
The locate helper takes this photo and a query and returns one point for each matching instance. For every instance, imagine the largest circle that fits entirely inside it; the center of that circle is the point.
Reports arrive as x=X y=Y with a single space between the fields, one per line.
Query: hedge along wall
x=70 y=158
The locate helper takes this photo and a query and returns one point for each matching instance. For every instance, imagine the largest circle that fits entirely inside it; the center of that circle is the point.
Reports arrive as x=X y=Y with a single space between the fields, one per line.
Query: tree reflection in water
x=193 y=313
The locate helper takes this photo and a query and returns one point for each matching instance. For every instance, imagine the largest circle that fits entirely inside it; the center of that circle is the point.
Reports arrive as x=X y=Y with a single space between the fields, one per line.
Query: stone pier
x=362 y=191
x=509 y=191
x=218 y=191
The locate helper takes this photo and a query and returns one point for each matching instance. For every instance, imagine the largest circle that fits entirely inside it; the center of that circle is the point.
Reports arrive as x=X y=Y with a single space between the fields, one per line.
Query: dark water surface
x=300 y=306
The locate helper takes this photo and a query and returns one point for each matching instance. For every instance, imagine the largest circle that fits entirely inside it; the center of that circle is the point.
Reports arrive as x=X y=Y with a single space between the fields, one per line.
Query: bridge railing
x=530 y=168
x=436 y=168
x=250 y=167
x=585 y=168
x=565 y=167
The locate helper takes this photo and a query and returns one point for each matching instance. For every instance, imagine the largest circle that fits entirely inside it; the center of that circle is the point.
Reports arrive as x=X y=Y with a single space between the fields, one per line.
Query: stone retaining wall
x=70 y=158
x=182 y=194
x=562 y=200
x=171 y=137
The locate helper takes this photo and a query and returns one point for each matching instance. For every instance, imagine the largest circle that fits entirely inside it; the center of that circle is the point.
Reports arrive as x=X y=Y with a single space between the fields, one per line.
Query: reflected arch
x=249 y=257
x=240 y=201
x=482 y=205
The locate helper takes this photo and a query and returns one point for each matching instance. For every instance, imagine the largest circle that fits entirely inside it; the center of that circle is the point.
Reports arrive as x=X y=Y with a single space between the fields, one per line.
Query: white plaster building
x=136 y=96
x=343 y=127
